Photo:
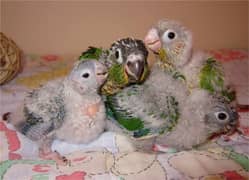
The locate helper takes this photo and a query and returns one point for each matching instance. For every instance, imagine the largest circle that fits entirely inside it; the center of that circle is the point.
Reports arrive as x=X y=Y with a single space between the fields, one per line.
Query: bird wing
x=122 y=115
x=134 y=110
x=211 y=76
x=45 y=104
x=91 y=53
x=35 y=127
x=212 y=79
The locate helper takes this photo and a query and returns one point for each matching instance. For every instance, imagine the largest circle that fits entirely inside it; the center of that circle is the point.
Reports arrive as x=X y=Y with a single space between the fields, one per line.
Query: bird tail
x=6 y=116
x=15 y=118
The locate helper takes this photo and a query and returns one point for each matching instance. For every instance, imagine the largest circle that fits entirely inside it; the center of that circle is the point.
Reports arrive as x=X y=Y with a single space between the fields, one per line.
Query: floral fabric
x=111 y=156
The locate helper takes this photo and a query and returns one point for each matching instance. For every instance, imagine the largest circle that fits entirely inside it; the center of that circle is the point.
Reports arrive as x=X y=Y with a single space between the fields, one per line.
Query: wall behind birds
x=66 y=27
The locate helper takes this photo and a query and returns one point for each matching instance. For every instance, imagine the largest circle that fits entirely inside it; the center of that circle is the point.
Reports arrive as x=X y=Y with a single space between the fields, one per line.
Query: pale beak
x=101 y=73
x=152 y=40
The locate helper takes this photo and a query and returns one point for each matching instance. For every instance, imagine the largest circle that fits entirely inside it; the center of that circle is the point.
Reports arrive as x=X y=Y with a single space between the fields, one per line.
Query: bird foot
x=163 y=148
x=54 y=155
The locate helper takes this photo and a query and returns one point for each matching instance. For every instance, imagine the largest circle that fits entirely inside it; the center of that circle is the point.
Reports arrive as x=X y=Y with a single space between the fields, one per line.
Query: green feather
x=137 y=127
x=141 y=132
x=211 y=76
x=230 y=95
x=122 y=116
x=130 y=124
x=117 y=79
x=91 y=53
x=117 y=74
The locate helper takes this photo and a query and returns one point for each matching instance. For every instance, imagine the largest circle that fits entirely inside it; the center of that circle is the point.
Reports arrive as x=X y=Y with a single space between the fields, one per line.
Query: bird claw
x=60 y=160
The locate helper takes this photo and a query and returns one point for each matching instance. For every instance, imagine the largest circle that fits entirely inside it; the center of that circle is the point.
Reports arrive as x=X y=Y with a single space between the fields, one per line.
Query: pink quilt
x=111 y=156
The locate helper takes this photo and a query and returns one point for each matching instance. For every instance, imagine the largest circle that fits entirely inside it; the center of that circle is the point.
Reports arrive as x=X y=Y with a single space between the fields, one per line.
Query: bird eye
x=222 y=116
x=85 y=75
x=171 y=35
x=118 y=56
x=168 y=35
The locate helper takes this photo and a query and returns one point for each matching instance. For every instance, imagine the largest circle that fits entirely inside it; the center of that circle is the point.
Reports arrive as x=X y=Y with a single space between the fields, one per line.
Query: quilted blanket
x=111 y=156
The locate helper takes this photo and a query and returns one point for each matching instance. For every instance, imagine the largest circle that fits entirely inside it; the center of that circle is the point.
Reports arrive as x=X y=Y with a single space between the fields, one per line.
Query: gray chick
x=173 y=42
x=202 y=117
x=70 y=110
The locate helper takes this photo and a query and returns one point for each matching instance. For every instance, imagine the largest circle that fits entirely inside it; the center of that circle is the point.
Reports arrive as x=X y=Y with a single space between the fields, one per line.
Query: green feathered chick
x=126 y=61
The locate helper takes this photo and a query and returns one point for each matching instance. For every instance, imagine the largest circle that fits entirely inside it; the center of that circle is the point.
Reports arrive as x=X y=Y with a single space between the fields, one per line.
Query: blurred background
x=68 y=27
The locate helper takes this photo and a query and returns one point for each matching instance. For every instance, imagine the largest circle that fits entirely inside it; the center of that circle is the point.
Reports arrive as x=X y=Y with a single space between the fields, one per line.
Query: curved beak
x=135 y=68
x=232 y=126
x=152 y=40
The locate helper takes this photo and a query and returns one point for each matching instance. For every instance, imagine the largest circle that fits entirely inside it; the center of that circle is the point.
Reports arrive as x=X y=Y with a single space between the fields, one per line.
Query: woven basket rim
x=10 y=62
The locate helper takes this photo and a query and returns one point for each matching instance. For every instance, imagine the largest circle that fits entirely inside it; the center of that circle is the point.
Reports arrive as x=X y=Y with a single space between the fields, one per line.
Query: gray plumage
x=172 y=115
x=202 y=116
x=173 y=42
x=70 y=109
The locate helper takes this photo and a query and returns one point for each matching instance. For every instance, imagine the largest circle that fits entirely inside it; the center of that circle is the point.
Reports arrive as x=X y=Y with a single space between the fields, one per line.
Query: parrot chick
x=173 y=43
x=203 y=116
x=70 y=110
x=160 y=109
x=127 y=64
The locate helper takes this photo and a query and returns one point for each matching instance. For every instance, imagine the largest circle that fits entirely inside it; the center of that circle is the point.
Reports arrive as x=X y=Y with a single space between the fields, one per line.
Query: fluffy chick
x=70 y=110
x=202 y=116
x=161 y=110
x=172 y=41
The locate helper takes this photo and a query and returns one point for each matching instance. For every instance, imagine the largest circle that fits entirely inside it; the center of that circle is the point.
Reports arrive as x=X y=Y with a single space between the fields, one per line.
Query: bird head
x=132 y=55
x=222 y=118
x=172 y=38
x=213 y=113
x=205 y=116
x=88 y=74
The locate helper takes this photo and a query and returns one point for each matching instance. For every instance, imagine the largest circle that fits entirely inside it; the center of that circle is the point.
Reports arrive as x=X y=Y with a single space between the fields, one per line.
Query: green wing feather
x=212 y=79
x=135 y=126
x=211 y=76
x=123 y=117
x=91 y=53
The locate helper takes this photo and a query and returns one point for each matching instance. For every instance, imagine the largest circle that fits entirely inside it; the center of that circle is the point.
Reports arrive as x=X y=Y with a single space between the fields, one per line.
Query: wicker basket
x=10 y=59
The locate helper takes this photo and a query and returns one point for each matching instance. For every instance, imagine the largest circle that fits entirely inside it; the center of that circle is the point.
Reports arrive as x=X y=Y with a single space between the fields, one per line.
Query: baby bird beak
x=101 y=73
x=232 y=126
x=134 y=67
x=152 y=40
